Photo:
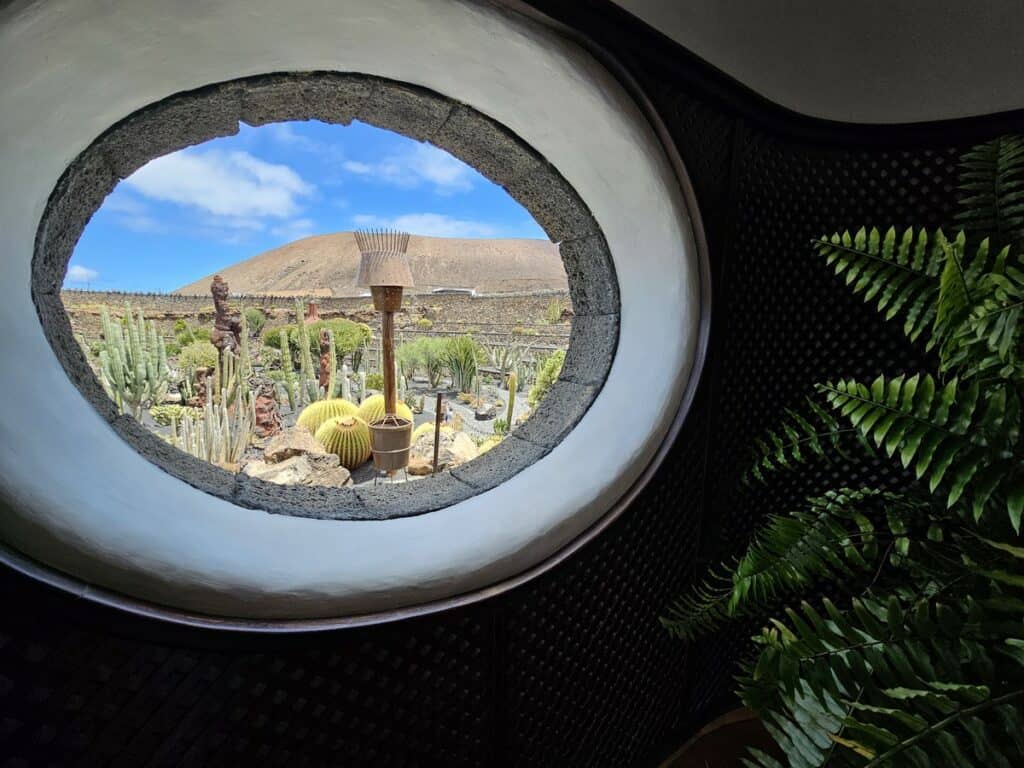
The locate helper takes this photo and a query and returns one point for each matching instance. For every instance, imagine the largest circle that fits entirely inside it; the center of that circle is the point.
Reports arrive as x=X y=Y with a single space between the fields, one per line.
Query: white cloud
x=285 y=134
x=132 y=214
x=80 y=274
x=142 y=223
x=423 y=164
x=295 y=229
x=441 y=169
x=360 y=169
x=118 y=203
x=428 y=224
x=237 y=222
x=226 y=184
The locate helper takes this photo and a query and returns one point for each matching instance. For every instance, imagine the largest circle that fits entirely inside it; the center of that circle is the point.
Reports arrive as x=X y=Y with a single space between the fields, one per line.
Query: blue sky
x=185 y=215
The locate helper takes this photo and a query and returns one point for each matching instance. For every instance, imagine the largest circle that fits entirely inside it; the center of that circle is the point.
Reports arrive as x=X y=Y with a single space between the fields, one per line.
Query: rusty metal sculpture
x=268 y=418
x=326 y=363
x=227 y=328
x=312 y=315
x=384 y=269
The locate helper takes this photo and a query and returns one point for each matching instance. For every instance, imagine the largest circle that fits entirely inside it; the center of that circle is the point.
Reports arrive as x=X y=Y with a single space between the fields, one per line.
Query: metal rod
x=382 y=241
x=437 y=430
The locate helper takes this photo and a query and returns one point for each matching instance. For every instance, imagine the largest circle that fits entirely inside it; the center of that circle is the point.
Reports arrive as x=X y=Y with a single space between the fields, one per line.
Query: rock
x=485 y=412
x=172 y=398
x=456 y=448
x=419 y=466
x=294 y=441
x=306 y=469
x=463 y=449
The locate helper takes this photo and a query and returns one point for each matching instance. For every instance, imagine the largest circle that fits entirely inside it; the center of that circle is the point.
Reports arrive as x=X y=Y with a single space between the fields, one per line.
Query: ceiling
x=877 y=61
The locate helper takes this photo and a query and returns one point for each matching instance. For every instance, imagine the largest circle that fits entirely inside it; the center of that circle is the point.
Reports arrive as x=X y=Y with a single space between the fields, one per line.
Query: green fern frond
x=840 y=536
x=899 y=275
x=988 y=343
x=836 y=537
x=931 y=674
x=797 y=440
x=701 y=611
x=915 y=683
x=992 y=192
x=956 y=436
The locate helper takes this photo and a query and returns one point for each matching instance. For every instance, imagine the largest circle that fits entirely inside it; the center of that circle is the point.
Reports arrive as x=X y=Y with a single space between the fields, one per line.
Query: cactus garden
x=287 y=398
x=236 y=307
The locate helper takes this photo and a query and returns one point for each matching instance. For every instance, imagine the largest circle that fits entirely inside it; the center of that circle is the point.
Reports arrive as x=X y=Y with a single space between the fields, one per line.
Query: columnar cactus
x=220 y=435
x=165 y=414
x=513 y=384
x=362 y=386
x=348 y=438
x=245 y=362
x=346 y=382
x=290 y=384
x=309 y=378
x=332 y=383
x=372 y=409
x=315 y=414
x=228 y=379
x=133 y=362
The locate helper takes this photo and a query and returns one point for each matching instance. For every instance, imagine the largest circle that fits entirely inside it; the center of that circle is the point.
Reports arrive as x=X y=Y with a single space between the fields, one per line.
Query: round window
x=97 y=502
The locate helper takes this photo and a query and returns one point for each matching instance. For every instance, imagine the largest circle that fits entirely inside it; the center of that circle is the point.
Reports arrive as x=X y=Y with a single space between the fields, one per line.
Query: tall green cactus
x=133 y=362
x=513 y=383
x=227 y=379
x=309 y=378
x=245 y=367
x=346 y=382
x=221 y=434
x=290 y=385
x=332 y=382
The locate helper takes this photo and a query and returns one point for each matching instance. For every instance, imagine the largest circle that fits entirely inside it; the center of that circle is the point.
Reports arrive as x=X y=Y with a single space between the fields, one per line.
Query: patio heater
x=384 y=269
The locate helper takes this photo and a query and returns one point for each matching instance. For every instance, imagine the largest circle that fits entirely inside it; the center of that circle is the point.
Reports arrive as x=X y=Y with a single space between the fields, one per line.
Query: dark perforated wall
x=571 y=669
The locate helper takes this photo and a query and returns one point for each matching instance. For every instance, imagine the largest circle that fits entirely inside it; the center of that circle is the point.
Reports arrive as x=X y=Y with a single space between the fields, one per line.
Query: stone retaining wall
x=491 y=318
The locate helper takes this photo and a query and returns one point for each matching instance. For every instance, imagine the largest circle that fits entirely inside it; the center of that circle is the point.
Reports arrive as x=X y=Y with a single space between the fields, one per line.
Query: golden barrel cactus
x=348 y=438
x=315 y=414
x=372 y=409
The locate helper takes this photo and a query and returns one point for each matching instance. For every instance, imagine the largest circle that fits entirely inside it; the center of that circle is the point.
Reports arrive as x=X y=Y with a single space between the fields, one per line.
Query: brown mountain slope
x=326 y=265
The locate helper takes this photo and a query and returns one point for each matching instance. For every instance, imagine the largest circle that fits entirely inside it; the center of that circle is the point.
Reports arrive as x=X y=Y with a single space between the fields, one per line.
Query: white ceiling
x=873 y=61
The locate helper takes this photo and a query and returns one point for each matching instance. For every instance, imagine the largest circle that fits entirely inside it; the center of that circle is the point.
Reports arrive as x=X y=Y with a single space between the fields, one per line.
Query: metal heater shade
x=384 y=261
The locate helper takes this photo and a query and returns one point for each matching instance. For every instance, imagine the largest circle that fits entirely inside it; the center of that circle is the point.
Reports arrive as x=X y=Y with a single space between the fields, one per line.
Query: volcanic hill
x=325 y=265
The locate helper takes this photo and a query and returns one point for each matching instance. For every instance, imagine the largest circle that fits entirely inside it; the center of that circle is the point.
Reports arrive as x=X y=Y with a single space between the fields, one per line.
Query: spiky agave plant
x=918 y=657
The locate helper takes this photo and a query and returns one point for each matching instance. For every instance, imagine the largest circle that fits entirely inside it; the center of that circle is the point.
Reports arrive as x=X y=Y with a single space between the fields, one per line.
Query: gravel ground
x=365 y=474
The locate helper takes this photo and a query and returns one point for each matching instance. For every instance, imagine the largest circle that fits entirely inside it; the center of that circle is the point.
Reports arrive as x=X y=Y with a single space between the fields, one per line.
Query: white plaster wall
x=79 y=499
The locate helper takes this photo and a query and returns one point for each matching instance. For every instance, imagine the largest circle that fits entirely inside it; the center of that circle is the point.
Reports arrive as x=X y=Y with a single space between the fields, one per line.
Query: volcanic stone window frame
x=192 y=117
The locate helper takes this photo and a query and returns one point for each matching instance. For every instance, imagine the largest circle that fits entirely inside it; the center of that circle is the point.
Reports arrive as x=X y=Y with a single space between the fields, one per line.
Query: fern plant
x=917 y=657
